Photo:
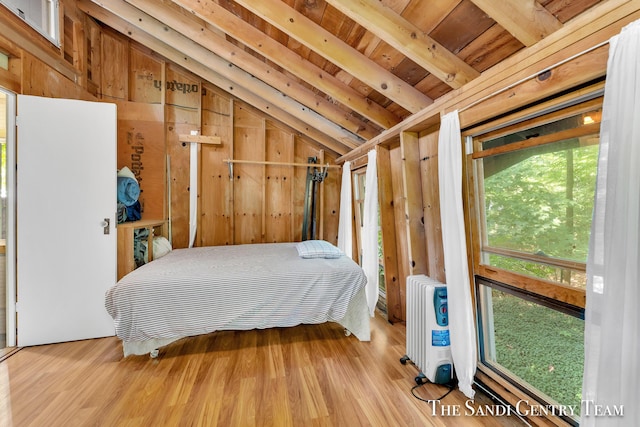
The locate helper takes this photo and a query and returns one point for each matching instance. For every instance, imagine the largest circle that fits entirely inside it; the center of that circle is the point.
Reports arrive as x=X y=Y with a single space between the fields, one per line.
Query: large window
x=42 y=15
x=534 y=192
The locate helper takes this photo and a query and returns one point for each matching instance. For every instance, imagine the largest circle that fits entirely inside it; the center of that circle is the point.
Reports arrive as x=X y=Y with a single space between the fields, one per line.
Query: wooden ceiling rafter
x=190 y=27
x=408 y=39
x=179 y=50
x=269 y=48
x=528 y=21
x=347 y=71
x=322 y=42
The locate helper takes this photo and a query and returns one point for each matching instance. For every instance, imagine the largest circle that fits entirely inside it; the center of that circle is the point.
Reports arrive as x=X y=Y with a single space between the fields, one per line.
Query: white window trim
x=52 y=33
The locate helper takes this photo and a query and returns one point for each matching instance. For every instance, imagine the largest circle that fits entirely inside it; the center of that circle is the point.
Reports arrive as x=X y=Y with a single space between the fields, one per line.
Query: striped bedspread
x=200 y=290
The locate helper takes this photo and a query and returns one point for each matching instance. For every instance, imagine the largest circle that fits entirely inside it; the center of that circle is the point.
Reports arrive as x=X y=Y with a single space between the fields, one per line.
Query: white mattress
x=200 y=290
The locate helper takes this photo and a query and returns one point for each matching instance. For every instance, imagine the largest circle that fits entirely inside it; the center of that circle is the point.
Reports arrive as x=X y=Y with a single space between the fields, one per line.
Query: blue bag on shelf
x=128 y=190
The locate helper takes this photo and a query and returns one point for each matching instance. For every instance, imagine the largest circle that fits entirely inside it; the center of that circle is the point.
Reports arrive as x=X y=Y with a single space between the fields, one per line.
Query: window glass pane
x=42 y=15
x=542 y=346
x=539 y=200
x=359 y=179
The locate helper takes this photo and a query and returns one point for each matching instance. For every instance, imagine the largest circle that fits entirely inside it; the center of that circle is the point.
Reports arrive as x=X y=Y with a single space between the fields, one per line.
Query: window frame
x=358 y=180
x=494 y=368
x=554 y=295
x=51 y=12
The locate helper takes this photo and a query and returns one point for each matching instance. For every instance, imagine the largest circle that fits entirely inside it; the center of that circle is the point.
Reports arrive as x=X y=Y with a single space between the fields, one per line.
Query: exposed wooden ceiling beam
x=176 y=50
x=216 y=15
x=313 y=36
x=527 y=21
x=408 y=39
x=187 y=24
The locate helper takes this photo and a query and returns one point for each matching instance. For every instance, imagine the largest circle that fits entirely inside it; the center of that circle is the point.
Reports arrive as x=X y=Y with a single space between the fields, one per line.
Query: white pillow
x=318 y=249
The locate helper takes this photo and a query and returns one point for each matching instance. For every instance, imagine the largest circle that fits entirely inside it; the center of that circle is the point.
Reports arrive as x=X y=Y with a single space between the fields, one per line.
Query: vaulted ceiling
x=339 y=71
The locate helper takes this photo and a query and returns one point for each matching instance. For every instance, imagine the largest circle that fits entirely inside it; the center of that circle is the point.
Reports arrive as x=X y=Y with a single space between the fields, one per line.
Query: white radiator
x=428 y=343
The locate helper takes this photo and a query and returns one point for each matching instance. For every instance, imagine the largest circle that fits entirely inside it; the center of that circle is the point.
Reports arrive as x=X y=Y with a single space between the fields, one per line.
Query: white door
x=66 y=188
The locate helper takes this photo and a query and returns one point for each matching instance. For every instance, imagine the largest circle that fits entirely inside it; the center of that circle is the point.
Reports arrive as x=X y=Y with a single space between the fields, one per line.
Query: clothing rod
x=551 y=67
x=264 y=162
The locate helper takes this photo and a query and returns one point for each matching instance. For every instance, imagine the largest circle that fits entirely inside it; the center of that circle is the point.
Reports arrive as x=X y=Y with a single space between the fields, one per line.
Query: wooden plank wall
x=400 y=218
x=157 y=102
x=40 y=79
x=248 y=195
x=141 y=148
x=395 y=289
x=428 y=150
x=182 y=115
x=145 y=77
x=409 y=215
x=216 y=195
x=278 y=183
x=141 y=142
x=115 y=74
x=412 y=183
x=330 y=198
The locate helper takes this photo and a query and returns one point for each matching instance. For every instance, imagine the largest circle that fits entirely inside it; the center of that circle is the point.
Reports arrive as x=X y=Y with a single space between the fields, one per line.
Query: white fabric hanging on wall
x=345 y=224
x=193 y=192
x=461 y=321
x=612 y=318
x=369 y=235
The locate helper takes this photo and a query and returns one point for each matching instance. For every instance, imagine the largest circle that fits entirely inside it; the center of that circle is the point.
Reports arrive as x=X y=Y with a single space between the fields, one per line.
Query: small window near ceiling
x=42 y=15
x=4 y=61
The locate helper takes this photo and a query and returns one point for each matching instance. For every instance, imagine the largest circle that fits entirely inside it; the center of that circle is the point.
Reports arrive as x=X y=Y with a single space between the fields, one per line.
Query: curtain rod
x=544 y=70
x=264 y=162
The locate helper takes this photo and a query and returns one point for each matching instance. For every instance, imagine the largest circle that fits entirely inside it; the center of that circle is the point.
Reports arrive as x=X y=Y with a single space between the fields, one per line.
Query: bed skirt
x=355 y=321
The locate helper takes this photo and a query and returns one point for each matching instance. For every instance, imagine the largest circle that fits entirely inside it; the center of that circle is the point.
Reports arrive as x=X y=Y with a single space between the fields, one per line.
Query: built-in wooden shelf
x=126 y=260
x=200 y=139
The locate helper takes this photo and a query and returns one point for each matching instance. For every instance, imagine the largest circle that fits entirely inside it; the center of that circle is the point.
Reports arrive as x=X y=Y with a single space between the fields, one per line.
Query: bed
x=200 y=290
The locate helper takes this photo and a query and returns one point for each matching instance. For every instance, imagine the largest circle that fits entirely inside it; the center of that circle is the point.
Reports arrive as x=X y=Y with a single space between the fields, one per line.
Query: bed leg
x=154 y=353
x=347 y=332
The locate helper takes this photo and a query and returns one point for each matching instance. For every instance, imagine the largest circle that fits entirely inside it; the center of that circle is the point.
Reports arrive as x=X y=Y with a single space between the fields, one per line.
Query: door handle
x=106 y=225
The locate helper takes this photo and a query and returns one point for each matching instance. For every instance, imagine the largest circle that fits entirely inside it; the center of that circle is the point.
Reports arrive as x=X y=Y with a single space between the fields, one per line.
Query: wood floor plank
x=309 y=375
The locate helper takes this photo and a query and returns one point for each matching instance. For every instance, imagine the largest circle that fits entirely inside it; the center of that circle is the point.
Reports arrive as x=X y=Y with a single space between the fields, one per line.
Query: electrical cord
x=451 y=388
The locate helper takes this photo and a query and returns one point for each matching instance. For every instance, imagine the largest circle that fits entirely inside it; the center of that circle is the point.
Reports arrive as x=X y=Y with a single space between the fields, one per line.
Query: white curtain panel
x=612 y=318
x=369 y=235
x=345 y=223
x=461 y=322
x=193 y=193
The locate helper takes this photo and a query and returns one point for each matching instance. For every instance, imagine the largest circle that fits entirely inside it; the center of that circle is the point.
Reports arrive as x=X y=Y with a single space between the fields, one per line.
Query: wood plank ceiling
x=339 y=71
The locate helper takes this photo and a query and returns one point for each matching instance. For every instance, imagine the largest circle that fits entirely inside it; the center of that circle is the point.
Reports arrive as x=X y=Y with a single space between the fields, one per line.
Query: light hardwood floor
x=309 y=375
